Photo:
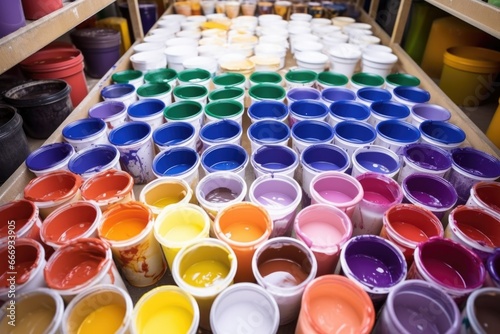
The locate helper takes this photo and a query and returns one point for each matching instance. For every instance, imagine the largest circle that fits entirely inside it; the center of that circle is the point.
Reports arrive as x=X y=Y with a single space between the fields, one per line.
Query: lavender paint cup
x=303 y=93
x=350 y=135
x=376 y=159
x=273 y=160
x=120 y=92
x=386 y=110
x=424 y=158
x=347 y=111
x=267 y=109
x=395 y=134
x=307 y=110
x=114 y=113
x=442 y=134
x=307 y=133
x=333 y=94
x=425 y=111
x=431 y=192
x=470 y=166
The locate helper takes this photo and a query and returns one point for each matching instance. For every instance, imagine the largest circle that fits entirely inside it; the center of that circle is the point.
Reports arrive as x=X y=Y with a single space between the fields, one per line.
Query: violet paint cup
x=493 y=270
x=373 y=263
x=351 y=135
x=395 y=134
x=94 y=159
x=334 y=94
x=424 y=158
x=307 y=110
x=114 y=113
x=470 y=166
x=425 y=111
x=274 y=159
x=347 y=111
x=431 y=192
x=442 y=134
x=376 y=159
x=268 y=109
x=302 y=93
x=119 y=92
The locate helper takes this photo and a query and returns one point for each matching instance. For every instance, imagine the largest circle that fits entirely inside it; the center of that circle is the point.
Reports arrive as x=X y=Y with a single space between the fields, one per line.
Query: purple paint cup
x=448 y=266
x=307 y=110
x=49 y=158
x=410 y=95
x=274 y=159
x=442 y=134
x=225 y=157
x=395 y=134
x=307 y=133
x=386 y=110
x=93 y=160
x=268 y=109
x=426 y=111
x=368 y=95
x=375 y=159
x=268 y=132
x=114 y=113
x=303 y=93
x=431 y=192
x=333 y=94
x=351 y=135
x=470 y=166
x=415 y=306
x=347 y=111
x=424 y=158
x=280 y=195
x=493 y=270
x=373 y=263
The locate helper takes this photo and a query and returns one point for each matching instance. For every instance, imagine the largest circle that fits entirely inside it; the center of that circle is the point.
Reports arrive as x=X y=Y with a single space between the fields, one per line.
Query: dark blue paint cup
x=225 y=157
x=93 y=160
x=49 y=158
x=222 y=132
x=174 y=134
x=268 y=132
x=274 y=159
x=347 y=111
x=307 y=133
x=267 y=109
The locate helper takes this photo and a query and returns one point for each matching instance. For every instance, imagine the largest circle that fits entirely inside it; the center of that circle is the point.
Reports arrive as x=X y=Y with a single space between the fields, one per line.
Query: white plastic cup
x=85 y=133
x=344 y=58
x=148 y=60
x=178 y=53
x=380 y=63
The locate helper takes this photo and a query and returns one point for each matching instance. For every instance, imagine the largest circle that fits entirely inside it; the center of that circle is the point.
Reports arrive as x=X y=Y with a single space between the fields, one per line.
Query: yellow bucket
x=469 y=74
x=493 y=132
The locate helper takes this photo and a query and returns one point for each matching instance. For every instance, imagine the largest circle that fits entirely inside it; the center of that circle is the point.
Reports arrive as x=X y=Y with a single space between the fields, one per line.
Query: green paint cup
x=160 y=90
x=300 y=78
x=196 y=93
x=266 y=91
x=363 y=79
x=132 y=77
x=229 y=80
x=166 y=75
x=224 y=109
x=329 y=79
x=197 y=76
x=265 y=77
x=401 y=79
x=230 y=93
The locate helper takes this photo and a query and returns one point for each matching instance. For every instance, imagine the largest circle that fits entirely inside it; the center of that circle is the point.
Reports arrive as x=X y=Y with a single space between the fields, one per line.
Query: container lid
x=95 y=38
x=472 y=59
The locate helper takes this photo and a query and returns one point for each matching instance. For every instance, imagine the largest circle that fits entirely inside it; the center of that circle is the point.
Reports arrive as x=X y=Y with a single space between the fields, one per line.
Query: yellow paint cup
x=164 y=309
x=165 y=191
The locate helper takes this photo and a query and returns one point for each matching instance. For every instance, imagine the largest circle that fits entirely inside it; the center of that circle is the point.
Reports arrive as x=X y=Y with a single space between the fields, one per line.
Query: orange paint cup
x=335 y=304
x=244 y=227
x=52 y=190
x=128 y=228
x=109 y=187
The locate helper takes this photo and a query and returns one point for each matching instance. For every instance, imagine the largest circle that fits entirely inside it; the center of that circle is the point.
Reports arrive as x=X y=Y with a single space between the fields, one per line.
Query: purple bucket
x=424 y=158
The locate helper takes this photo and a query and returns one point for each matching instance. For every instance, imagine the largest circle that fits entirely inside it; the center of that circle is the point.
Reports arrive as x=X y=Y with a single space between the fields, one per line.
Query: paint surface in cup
x=243 y=230
x=322 y=233
x=410 y=231
x=25 y=262
x=281 y=270
x=221 y=195
x=486 y=308
x=123 y=227
x=205 y=273
x=106 y=319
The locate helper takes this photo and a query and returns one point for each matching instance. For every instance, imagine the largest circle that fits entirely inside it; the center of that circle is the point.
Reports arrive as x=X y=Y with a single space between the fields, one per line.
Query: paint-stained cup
x=284 y=266
x=178 y=162
x=134 y=141
x=178 y=225
x=355 y=311
x=225 y=157
x=375 y=159
x=268 y=132
x=351 y=135
x=309 y=132
x=303 y=110
x=243 y=226
x=50 y=158
x=274 y=159
x=324 y=229
x=165 y=191
x=86 y=132
x=204 y=269
x=379 y=194
x=148 y=110
x=396 y=134
x=174 y=134
x=280 y=195
x=486 y=195
x=424 y=158
x=244 y=308
x=80 y=265
x=442 y=134
x=448 y=266
x=375 y=264
x=478 y=313
x=347 y=111
x=166 y=306
x=262 y=110
x=94 y=159
x=104 y=307
x=128 y=229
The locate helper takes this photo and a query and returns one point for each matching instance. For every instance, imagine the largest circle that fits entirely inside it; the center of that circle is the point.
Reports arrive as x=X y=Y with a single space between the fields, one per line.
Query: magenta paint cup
x=337 y=189
x=426 y=111
x=395 y=134
x=493 y=270
x=424 y=158
x=386 y=110
x=375 y=159
x=442 y=134
x=379 y=194
x=448 y=266
x=302 y=93
x=303 y=110
x=373 y=263
x=470 y=166
x=347 y=111
x=324 y=229
x=475 y=228
x=415 y=306
x=480 y=314
x=429 y=191
x=280 y=195
x=274 y=160
x=114 y=113
x=309 y=132
x=351 y=135
x=486 y=195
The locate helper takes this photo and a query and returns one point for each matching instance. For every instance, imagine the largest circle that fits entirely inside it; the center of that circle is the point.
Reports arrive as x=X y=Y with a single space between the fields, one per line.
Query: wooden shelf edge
x=22 y=43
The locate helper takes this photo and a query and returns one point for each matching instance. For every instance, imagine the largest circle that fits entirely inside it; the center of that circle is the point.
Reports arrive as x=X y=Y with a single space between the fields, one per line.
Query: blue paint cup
x=386 y=110
x=222 y=132
x=120 y=92
x=147 y=110
x=268 y=132
x=368 y=95
x=442 y=134
x=302 y=93
x=375 y=159
x=350 y=135
x=333 y=94
x=395 y=134
x=307 y=133
x=93 y=160
x=86 y=132
x=178 y=162
x=173 y=134
x=307 y=110
x=410 y=96
x=225 y=157
x=347 y=111
x=274 y=159
x=268 y=109
x=49 y=158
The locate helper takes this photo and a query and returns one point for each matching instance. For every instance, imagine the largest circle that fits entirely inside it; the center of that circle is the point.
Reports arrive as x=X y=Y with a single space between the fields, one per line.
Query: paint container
x=486 y=195
x=114 y=113
x=228 y=93
x=324 y=229
x=86 y=132
x=431 y=192
x=369 y=95
x=284 y=267
x=166 y=306
x=53 y=190
x=108 y=187
x=380 y=194
x=163 y=192
x=302 y=93
x=274 y=160
x=334 y=94
x=386 y=110
x=22 y=217
x=80 y=265
x=280 y=195
x=480 y=312
x=204 y=270
x=225 y=131
x=265 y=77
x=128 y=229
x=104 y=308
x=186 y=111
x=268 y=132
x=442 y=134
x=119 y=92
x=243 y=226
x=362 y=79
x=410 y=95
x=374 y=264
x=426 y=111
x=225 y=80
x=375 y=159
x=354 y=311
x=148 y=110
x=470 y=166
x=395 y=134
x=266 y=91
x=424 y=158
x=407 y=225
x=344 y=58
x=94 y=159
x=174 y=134
x=448 y=266
x=351 y=135
x=133 y=141
x=162 y=75
x=401 y=79
x=25 y=273
x=50 y=158
x=132 y=77
x=329 y=79
x=493 y=270
x=69 y=223
x=244 y=308
x=178 y=162
x=264 y=110
x=416 y=306
x=307 y=110
x=197 y=76
x=195 y=93
x=347 y=111
x=225 y=157
x=309 y=132
x=475 y=228
x=224 y=109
